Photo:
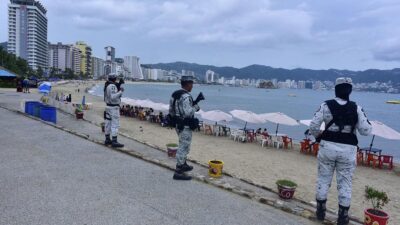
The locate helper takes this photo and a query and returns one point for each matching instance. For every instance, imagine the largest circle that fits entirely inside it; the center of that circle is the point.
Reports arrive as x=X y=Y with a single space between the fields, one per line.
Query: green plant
x=78 y=108
x=377 y=198
x=172 y=145
x=286 y=183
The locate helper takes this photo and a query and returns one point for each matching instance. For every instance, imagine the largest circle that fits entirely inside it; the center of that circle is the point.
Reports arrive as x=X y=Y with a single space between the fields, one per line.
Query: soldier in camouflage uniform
x=183 y=107
x=338 y=146
x=112 y=98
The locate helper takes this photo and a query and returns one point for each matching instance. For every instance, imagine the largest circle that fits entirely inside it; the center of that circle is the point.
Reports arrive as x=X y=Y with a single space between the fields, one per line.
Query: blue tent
x=5 y=73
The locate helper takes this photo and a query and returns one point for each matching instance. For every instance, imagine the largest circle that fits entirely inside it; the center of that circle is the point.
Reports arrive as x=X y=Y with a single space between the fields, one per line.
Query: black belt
x=113 y=105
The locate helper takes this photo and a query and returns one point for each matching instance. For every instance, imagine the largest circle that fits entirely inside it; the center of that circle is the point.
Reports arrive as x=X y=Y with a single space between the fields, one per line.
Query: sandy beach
x=250 y=161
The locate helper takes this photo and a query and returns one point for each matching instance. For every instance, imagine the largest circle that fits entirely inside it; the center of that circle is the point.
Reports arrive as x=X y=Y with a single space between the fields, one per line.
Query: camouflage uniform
x=336 y=156
x=112 y=97
x=184 y=108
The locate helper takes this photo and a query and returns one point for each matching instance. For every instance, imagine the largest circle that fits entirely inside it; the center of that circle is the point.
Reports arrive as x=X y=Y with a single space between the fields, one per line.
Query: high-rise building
x=27 y=32
x=86 y=57
x=110 y=53
x=76 y=59
x=134 y=68
x=97 y=67
x=211 y=77
x=60 y=56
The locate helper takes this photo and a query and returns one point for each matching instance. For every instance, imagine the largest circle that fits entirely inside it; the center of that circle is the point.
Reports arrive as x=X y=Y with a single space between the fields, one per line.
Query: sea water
x=296 y=103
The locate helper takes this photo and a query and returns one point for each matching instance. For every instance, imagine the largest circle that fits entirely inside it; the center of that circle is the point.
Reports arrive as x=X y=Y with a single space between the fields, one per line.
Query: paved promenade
x=48 y=176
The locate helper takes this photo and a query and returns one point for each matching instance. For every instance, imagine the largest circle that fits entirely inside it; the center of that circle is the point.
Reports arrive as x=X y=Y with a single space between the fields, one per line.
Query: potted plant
x=375 y=215
x=79 y=111
x=286 y=188
x=171 y=149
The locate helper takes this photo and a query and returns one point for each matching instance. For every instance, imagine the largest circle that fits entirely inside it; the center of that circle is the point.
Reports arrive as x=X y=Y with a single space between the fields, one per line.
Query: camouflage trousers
x=185 y=139
x=111 y=120
x=342 y=159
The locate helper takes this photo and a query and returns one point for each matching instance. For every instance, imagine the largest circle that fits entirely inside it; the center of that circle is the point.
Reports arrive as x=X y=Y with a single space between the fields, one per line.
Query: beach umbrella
x=45 y=87
x=247 y=116
x=279 y=118
x=382 y=130
x=216 y=116
x=308 y=122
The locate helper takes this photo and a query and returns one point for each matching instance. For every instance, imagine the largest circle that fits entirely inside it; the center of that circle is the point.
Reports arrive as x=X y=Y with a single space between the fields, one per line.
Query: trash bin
x=48 y=113
x=215 y=168
x=29 y=106
x=36 y=109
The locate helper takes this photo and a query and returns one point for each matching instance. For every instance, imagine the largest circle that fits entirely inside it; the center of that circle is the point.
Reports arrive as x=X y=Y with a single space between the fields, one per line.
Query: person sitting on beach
x=122 y=110
x=265 y=133
x=258 y=131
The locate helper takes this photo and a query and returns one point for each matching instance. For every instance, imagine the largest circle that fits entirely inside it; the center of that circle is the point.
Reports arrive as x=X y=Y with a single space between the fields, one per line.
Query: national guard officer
x=182 y=109
x=338 y=146
x=112 y=97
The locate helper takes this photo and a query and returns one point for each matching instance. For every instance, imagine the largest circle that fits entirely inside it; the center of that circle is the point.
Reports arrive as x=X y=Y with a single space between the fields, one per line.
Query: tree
x=39 y=72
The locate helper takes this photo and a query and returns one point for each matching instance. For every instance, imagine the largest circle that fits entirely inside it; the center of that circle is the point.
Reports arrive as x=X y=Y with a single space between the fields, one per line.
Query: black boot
x=321 y=209
x=185 y=167
x=180 y=174
x=343 y=215
x=115 y=143
x=108 y=140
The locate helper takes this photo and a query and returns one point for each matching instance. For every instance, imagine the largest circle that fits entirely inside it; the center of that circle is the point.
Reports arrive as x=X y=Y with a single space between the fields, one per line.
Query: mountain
x=267 y=72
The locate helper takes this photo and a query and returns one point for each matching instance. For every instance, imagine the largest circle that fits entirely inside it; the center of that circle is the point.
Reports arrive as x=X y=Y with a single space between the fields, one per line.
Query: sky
x=315 y=34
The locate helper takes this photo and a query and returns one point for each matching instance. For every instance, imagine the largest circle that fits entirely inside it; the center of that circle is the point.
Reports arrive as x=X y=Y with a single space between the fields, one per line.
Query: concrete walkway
x=48 y=176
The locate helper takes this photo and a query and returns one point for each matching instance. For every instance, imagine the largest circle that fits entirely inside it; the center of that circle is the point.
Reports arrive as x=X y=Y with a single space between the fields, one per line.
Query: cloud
x=387 y=50
x=231 y=22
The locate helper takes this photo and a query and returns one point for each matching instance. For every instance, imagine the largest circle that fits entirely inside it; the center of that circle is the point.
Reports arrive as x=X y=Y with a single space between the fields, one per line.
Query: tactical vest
x=180 y=122
x=343 y=115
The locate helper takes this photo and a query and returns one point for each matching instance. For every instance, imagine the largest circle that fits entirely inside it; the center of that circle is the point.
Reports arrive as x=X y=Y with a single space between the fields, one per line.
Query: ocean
x=296 y=103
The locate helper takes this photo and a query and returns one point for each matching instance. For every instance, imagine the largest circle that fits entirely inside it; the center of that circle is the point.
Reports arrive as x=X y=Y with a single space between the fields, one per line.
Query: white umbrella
x=216 y=116
x=382 y=130
x=247 y=116
x=308 y=122
x=279 y=118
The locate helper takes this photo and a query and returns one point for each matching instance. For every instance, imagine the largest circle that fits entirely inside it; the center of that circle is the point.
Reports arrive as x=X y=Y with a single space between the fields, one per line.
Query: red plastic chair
x=360 y=158
x=286 y=141
x=386 y=159
x=375 y=159
x=315 y=149
x=304 y=147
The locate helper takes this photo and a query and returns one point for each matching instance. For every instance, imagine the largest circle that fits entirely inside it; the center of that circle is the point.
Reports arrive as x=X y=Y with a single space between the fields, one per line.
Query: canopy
x=5 y=73
x=45 y=87
x=247 y=116
x=382 y=130
x=146 y=104
x=216 y=116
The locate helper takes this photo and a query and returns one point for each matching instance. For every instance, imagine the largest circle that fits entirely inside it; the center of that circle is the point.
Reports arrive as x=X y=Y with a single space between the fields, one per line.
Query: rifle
x=199 y=98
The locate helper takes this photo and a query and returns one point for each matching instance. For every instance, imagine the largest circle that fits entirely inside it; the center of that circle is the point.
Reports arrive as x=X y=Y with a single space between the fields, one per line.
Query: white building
x=133 y=66
x=27 y=31
x=211 y=77
x=64 y=57
x=97 y=67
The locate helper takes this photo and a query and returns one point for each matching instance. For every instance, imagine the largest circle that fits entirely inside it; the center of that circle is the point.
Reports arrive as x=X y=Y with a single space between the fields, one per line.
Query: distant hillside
x=266 y=72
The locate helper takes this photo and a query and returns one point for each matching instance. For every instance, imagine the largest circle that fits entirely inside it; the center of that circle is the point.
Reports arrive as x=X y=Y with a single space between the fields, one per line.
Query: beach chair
x=277 y=142
x=265 y=141
x=207 y=129
x=375 y=159
x=386 y=159
x=287 y=141
x=315 y=149
x=360 y=157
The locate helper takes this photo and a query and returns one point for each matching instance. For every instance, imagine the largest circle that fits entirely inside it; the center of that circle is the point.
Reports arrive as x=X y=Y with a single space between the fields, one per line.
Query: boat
x=292 y=95
x=393 y=102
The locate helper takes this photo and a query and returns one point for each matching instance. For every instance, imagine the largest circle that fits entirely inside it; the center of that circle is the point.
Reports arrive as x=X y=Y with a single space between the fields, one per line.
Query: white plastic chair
x=277 y=142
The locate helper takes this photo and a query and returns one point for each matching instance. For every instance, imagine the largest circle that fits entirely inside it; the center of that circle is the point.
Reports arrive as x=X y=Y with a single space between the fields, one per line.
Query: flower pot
x=171 y=150
x=375 y=217
x=215 y=168
x=79 y=115
x=286 y=192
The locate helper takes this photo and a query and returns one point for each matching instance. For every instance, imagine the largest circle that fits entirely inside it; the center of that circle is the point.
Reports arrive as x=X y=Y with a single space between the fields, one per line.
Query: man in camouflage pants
x=183 y=107
x=338 y=146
